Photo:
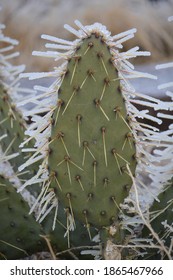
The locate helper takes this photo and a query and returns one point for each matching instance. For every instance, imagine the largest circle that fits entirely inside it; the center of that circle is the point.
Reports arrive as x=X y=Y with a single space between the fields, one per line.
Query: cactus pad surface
x=91 y=141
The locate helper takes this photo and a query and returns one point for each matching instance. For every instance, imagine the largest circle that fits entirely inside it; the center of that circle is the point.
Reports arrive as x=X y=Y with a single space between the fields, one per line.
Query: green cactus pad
x=19 y=232
x=13 y=125
x=161 y=211
x=91 y=141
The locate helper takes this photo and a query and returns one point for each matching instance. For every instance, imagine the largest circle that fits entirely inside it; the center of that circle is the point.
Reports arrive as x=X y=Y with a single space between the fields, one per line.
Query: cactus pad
x=161 y=217
x=12 y=127
x=91 y=141
x=19 y=232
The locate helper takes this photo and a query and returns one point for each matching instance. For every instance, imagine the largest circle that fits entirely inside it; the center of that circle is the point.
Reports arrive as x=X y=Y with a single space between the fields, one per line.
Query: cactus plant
x=92 y=143
x=16 y=226
x=86 y=130
x=15 y=244
x=12 y=122
x=90 y=167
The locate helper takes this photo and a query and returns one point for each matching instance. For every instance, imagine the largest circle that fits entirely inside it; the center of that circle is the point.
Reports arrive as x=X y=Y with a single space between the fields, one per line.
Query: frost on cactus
x=92 y=145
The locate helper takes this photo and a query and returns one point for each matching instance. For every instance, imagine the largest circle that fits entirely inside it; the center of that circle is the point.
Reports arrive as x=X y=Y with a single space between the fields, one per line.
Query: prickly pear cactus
x=17 y=242
x=87 y=130
x=89 y=146
x=19 y=232
x=12 y=121
x=93 y=150
x=161 y=218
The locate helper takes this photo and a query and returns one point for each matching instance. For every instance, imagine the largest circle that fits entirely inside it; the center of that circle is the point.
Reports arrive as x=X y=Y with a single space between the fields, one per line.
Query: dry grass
x=27 y=20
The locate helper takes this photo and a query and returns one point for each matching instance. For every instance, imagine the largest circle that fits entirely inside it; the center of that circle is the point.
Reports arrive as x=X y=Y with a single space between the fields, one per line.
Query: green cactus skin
x=19 y=232
x=160 y=212
x=91 y=141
